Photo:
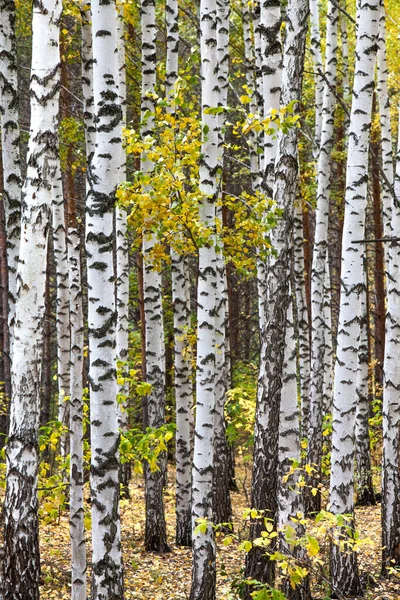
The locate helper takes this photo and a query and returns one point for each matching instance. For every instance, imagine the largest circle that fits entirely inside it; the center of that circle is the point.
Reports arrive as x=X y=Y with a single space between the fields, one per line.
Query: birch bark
x=203 y=544
x=365 y=490
x=264 y=485
x=320 y=325
x=21 y=541
x=290 y=502
x=391 y=387
x=316 y=53
x=77 y=526
x=105 y=165
x=344 y=570
x=303 y=327
x=10 y=138
x=62 y=304
x=181 y=310
x=222 y=508
x=122 y=272
x=251 y=82
x=76 y=498
x=155 y=532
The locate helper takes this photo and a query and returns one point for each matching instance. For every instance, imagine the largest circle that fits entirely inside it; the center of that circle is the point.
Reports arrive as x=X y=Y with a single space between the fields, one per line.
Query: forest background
x=213 y=191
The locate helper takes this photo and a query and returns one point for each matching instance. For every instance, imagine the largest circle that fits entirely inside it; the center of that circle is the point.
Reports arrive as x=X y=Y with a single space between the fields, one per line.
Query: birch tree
x=365 y=490
x=154 y=409
x=344 y=570
x=391 y=382
x=10 y=139
x=320 y=330
x=264 y=485
x=303 y=326
x=62 y=303
x=122 y=270
x=203 y=543
x=77 y=526
x=290 y=502
x=76 y=495
x=105 y=165
x=222 y=507
x=183 y=386
x=21 y=540
x=316 y=54
x=253 y=137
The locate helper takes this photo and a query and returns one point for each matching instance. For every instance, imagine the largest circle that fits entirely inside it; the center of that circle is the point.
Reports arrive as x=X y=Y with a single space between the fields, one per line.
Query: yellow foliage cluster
x=165 y=203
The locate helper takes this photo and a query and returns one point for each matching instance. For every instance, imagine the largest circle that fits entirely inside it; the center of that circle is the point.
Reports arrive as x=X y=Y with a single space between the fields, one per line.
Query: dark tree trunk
x=46 y=412
x=379 y=271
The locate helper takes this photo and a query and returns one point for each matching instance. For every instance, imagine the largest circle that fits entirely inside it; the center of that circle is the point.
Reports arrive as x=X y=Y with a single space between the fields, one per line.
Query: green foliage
x=165 y=203
x=138 y=447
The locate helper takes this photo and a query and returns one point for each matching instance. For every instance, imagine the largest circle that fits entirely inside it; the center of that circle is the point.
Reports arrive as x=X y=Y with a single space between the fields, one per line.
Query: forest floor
x=167 y=576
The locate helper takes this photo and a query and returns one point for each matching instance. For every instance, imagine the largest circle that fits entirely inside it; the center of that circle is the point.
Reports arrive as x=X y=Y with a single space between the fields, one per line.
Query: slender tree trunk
x=222 y=508
x=77 y=527
x=251 y=82
x=122 y=275
x=105 y=165
x=10 y=139
x=303 y=328
x=46 y=379
x=382 y=194
x=344 y=569
x=62 y=304
x=391 y=380
x=290 y=502
x=316 y=53
x=320 y=327
x=21 y=536
x=77 y=510
x=181 y=312
x=5 y=376
x=365 y=490
x=184 y=400
x=265 y=466
x=263 y=494
x=155 y=533
x=204 y=569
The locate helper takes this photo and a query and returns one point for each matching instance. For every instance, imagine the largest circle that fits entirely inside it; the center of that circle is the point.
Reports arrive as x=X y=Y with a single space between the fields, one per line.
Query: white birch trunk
x=62 y=305
x=250 y=23
x=87 y=85
x=251 y=82
x=183 y=398
x=303 y=326
x=222 y=508
x=365 y=490
x=316 y=53
x=391 y=387
x=155 y=533
x=345 y=65
x=320 y=325
x=203 y=543
x=264 y=485
x=105 y=165
x=290 y=502
x=387 y=178
x=76 y=497
x=181 y=311
x=269 y=87
x=21 y=541
x=344 y=571
x=328 y=346
x=10 y=137
x=77 y=527
x=122 y=271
